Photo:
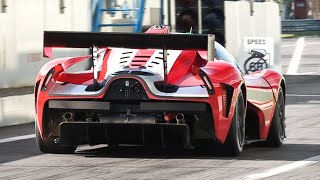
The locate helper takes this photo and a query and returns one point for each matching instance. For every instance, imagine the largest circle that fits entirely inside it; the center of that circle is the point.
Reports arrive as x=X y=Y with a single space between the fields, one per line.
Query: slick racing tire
x=49 y=146
x=277 y=128
x=236 y=136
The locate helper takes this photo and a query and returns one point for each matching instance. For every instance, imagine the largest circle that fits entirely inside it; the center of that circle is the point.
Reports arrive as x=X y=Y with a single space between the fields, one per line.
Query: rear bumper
x=143 y=106
x=92 y=133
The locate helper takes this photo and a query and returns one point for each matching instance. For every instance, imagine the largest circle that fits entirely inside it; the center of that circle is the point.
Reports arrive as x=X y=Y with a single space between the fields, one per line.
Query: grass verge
x=299 y=34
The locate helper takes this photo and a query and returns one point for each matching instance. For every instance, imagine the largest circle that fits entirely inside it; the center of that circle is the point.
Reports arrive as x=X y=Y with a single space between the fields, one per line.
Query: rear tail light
x=206 y=81
x=47 y=79
x=36 y=88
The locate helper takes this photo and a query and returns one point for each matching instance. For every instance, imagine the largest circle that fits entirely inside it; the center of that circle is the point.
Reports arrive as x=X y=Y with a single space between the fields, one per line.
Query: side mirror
x=258 y=53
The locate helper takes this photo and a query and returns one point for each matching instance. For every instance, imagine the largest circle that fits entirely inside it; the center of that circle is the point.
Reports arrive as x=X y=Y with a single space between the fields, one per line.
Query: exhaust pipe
x=168 y=117
x=68 y=116
x=180 y=118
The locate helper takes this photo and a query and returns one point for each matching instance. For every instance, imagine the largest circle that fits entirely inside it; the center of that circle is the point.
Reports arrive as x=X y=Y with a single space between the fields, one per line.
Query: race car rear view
x=154 y=89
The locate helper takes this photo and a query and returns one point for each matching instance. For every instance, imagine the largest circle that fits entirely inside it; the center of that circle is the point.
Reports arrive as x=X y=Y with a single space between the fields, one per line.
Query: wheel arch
x=223 y=74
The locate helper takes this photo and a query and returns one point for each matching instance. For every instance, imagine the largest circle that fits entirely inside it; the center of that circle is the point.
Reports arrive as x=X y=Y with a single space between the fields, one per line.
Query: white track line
x=303 y=95
x=288 y=45
x=313 y=43
x=17 y=138
x=295 y=61
x=306 y=73
x=284 y=168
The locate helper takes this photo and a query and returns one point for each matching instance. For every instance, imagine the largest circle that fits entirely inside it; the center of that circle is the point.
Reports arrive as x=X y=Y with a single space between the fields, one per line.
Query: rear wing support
x=94 y=53
x=210 y=55
x=165 y=65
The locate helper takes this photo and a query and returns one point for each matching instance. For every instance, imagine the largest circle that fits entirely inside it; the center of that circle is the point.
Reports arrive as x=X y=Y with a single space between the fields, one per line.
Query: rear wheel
x=49 y=146
x=277 y=129
x=236 y=136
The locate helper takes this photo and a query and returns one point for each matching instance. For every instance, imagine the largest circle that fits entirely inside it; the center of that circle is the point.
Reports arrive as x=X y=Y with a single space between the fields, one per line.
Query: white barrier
x=262 y=20
x=21 y=35
x=16 y=110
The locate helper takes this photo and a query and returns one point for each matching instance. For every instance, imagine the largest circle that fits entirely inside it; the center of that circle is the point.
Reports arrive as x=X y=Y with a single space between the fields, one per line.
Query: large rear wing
x=58 y=39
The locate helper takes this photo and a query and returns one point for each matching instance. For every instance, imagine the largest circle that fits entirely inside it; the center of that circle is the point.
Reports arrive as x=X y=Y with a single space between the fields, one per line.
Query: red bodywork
x=260 y=89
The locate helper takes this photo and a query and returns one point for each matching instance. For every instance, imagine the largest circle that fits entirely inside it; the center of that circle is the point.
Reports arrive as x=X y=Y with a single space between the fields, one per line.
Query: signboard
x=256 y=53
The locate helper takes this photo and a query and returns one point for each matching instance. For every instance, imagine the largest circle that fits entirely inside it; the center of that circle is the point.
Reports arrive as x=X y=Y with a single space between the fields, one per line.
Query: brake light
x=206 y=81
x=47 y=79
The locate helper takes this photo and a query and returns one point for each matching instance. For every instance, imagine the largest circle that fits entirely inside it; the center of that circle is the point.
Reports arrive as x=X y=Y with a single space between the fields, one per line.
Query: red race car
x=154 y=89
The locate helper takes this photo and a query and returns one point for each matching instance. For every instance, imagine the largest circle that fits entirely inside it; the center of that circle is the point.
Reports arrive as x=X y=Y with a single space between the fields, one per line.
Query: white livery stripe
x=17 y=138
x=157 y=57
x=119 y=58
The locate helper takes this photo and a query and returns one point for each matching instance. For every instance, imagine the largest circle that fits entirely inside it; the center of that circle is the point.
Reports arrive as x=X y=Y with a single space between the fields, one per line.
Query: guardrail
x=300 y=25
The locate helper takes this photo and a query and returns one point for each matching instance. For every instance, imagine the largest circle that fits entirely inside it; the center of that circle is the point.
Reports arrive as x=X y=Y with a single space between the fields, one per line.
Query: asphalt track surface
x=298 y=158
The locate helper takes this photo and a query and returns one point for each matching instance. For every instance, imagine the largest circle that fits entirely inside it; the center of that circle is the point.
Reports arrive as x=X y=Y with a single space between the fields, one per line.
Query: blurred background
x=286 y=32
